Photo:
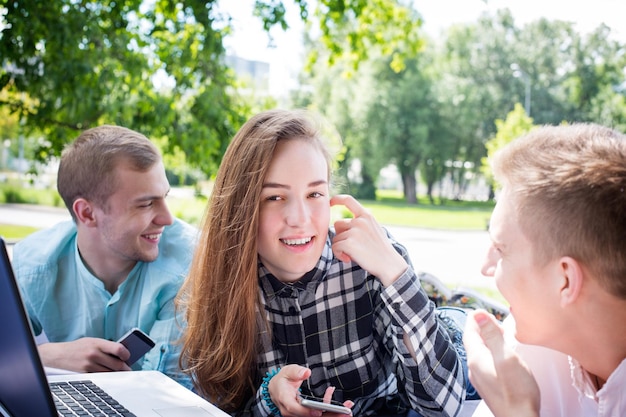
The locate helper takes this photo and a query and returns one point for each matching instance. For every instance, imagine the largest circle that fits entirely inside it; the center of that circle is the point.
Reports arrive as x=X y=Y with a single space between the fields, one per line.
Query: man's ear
x=573 y=279
x=84 y=211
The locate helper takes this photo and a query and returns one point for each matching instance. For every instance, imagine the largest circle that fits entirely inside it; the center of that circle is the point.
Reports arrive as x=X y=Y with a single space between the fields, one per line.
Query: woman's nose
x=297 y=213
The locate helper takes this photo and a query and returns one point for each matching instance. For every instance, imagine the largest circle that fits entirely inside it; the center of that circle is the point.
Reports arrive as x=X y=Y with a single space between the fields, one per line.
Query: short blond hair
x=569 y=188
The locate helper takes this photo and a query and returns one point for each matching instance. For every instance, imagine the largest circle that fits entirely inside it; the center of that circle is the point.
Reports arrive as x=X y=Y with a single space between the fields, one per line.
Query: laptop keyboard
x=84 y=398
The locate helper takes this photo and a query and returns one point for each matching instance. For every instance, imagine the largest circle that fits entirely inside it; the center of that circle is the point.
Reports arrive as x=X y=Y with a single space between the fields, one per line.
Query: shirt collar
x=585 y=386
x=582 y=380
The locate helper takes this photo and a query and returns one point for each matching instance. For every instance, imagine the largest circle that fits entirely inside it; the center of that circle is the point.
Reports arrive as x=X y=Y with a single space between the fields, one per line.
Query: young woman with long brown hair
x=279 y=305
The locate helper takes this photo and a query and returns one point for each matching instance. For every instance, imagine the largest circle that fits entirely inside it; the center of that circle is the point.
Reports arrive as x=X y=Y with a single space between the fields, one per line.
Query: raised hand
x=363 y=241
x=503 y=380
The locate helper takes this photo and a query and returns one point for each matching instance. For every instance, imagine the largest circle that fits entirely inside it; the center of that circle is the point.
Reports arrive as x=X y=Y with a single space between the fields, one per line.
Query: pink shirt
x=566 y=389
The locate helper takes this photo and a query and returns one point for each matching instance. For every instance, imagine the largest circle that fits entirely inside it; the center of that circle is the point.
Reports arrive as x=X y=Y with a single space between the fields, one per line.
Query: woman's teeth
x=302 y=241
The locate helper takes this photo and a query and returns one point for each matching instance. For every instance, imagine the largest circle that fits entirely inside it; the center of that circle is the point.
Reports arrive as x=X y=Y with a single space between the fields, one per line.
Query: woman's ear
x=84 y=211
x=573 y=280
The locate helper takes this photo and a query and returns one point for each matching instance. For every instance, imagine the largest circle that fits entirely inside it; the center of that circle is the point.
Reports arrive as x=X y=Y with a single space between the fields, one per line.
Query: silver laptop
x=26 y=391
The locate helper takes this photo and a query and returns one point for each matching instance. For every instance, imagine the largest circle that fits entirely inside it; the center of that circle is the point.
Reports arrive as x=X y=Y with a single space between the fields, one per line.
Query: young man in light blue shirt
x=117 y=265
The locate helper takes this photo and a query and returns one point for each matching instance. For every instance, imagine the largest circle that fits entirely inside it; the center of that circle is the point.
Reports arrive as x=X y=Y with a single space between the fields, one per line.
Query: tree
x=9 y=123
x=461 y=90
x=440 y=148
x=516 y=124
x=400 y=119
x=345 y=101
x=571 y=78
x=596 y=78
x=157 y=67
x=88 y=63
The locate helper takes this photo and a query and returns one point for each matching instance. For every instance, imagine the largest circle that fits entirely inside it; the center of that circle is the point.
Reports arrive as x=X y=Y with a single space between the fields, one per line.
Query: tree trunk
x=429 y=192
x=410 y=190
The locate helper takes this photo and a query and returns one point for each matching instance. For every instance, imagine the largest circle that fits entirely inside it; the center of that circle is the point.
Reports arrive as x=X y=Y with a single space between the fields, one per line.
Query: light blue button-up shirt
x=67 y=302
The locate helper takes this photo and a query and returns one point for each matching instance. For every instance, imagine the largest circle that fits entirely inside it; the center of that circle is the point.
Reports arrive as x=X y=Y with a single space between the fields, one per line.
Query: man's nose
x=489 y=263
x=164 y=216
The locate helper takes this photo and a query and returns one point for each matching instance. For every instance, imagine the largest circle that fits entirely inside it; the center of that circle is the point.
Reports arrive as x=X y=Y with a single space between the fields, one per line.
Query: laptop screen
x=24 y=390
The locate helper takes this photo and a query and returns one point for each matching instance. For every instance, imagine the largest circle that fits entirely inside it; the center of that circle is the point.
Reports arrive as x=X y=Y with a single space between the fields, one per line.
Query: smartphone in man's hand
x=138 y=344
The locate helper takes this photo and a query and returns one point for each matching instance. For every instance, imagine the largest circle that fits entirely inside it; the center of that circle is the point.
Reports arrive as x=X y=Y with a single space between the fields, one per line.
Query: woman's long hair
x=221 y=294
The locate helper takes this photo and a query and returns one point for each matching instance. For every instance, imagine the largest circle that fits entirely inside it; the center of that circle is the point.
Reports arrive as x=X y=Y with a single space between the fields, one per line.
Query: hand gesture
x=363 y=241
x=503 y=380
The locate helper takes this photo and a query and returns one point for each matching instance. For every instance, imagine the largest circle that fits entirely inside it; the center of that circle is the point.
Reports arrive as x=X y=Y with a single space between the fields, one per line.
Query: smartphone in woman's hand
x=319 y=404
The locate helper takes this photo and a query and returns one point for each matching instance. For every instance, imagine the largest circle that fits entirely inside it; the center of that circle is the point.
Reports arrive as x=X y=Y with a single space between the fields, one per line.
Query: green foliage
x=438 y=114
x=401 y=118
x=157 y=67
x=428 y=105
x=384 y=25
x=354 y=31
x=12 y=193
x=89 y=63
x=517 y=123
x=363 y=190
x=9 y=127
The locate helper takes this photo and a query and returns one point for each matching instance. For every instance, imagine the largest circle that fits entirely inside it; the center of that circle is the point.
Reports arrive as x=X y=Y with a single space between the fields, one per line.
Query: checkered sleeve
x=257 y=406
x=433 y=380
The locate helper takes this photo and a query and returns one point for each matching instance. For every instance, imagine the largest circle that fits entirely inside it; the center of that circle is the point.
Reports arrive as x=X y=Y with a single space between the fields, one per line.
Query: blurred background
x=416 y=94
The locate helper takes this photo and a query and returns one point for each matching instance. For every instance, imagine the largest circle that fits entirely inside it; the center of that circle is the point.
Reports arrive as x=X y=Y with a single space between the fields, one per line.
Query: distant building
x=255 y=74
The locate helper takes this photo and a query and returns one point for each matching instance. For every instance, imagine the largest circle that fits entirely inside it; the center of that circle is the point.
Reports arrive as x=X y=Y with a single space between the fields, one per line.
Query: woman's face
x=294 y=211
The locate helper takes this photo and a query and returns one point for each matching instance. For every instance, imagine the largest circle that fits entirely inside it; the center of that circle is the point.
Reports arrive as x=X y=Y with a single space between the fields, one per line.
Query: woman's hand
x=363 y=241
x=284 y=390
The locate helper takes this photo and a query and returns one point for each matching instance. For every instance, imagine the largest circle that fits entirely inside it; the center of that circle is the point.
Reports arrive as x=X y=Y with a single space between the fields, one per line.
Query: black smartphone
x=138 y=344
x=318 y=404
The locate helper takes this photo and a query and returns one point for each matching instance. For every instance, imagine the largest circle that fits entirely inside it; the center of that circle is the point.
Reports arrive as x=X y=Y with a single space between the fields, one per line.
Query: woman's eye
x=316 y=194
x=273 y=198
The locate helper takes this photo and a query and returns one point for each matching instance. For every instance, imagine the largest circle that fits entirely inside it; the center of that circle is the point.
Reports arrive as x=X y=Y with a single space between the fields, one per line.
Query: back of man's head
x=569 y=187
x=88 y=165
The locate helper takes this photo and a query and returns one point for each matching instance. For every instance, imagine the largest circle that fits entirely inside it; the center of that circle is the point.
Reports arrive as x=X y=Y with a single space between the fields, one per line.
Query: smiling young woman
x=280 y=304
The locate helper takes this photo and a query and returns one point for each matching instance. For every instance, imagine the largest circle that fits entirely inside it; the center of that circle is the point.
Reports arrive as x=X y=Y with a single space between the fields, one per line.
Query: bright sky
x=250 y=42
x=587 y=15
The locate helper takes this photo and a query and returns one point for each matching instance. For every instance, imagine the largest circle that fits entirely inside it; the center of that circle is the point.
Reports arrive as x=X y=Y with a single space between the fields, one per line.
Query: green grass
x=435 y=217
x=12 y=232
x=390 y=208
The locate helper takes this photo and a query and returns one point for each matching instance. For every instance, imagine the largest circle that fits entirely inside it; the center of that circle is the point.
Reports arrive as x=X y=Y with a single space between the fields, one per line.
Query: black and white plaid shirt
x=340 y=322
